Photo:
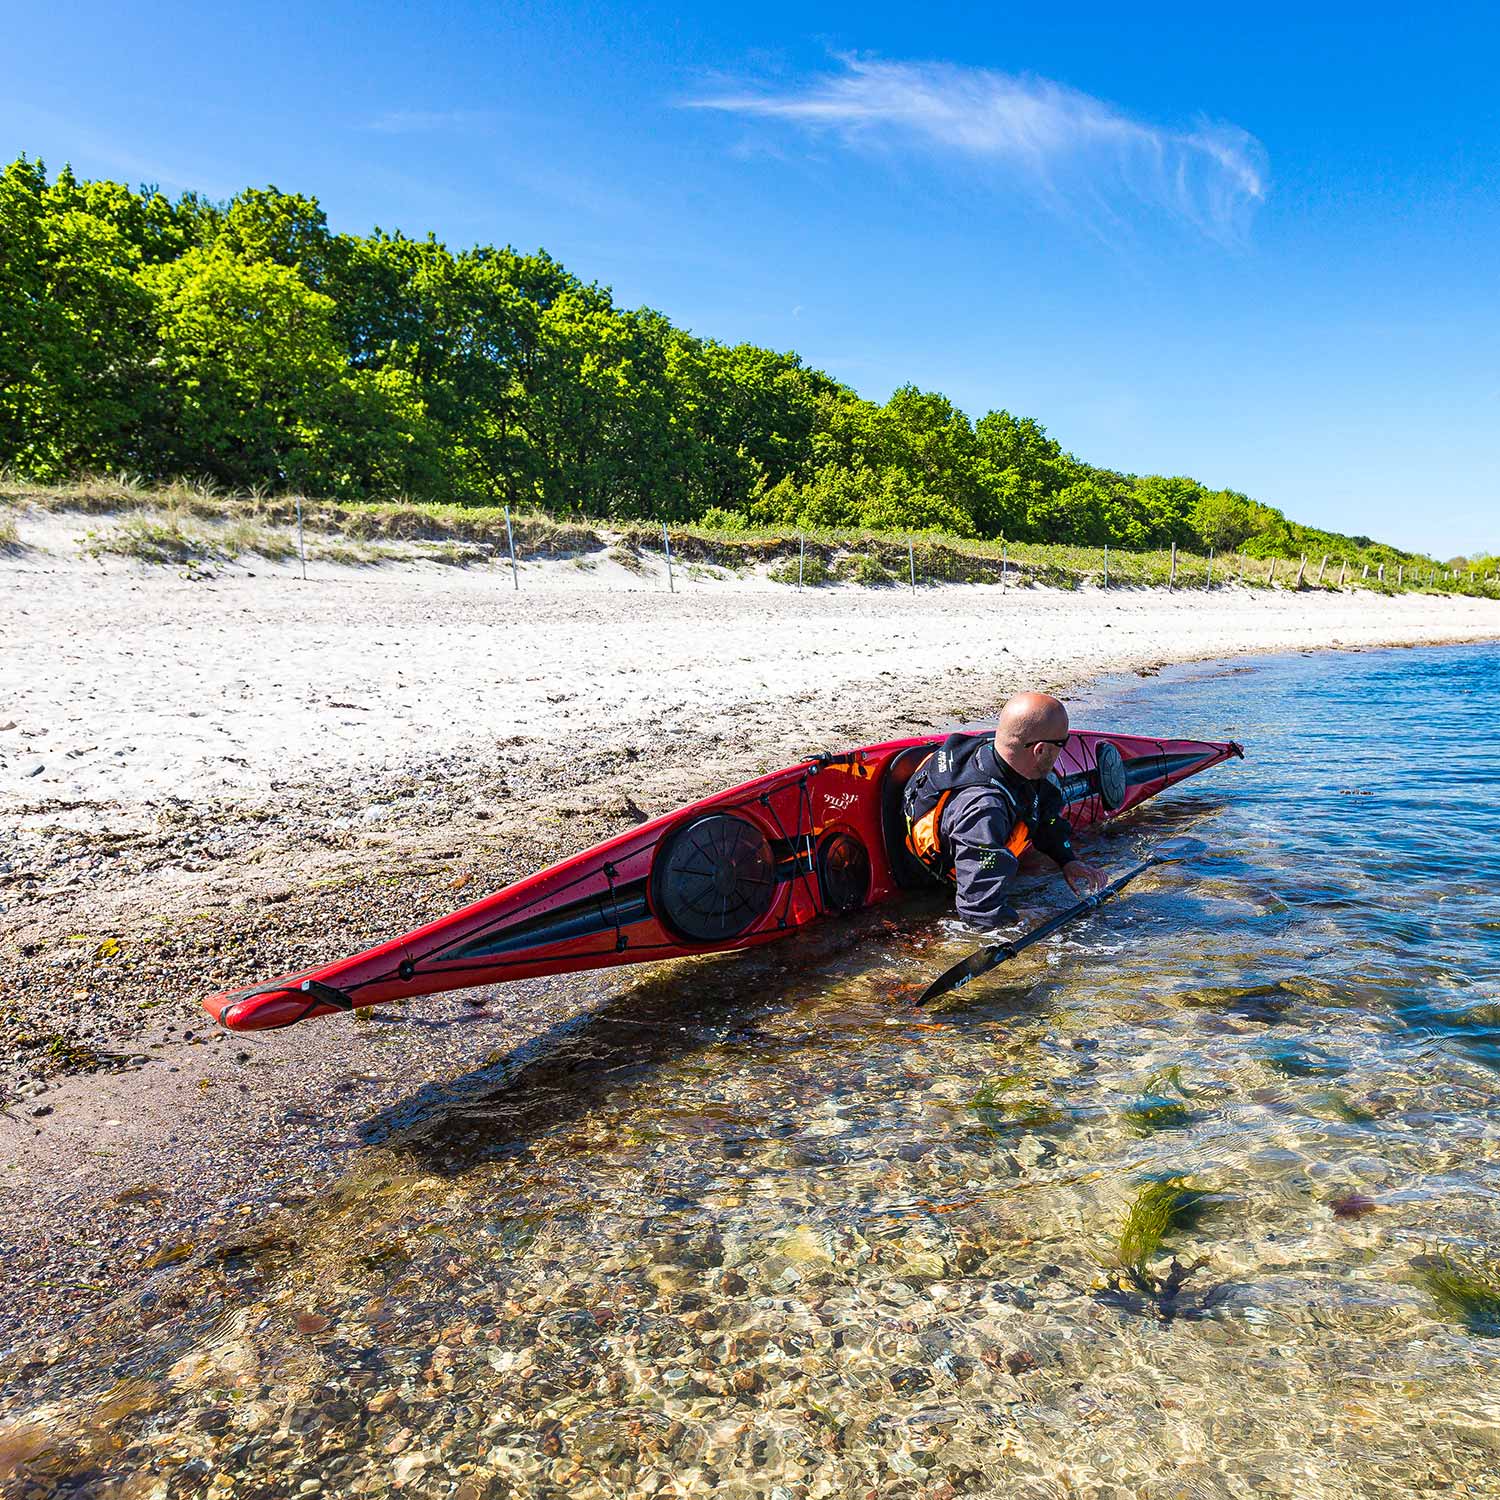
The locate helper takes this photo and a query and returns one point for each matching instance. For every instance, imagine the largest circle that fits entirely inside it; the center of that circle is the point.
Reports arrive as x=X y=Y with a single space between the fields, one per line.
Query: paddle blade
x=977 y=963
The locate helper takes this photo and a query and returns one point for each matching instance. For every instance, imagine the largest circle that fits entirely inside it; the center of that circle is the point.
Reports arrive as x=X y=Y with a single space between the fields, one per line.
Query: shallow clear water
x=755 y=1227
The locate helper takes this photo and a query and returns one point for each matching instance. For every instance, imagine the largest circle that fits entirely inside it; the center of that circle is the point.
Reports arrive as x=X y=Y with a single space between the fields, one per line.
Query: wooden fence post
x=1343 y=566
x=301 y=550
x=1400 y=574
x=801 y=555
x=666 y=546
x=1106 y=565
x=1321 y=566
x=1271 y=573
x=1172 y=576
x=1301 y=570
x=911 y=560
x=1004 y=554
x=1210 y=582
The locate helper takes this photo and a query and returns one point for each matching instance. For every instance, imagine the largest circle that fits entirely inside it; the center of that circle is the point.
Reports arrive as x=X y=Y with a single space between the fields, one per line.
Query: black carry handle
x=985 y=959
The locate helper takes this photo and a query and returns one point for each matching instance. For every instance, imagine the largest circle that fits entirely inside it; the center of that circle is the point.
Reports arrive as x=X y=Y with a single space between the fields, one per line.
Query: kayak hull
x=735 y=870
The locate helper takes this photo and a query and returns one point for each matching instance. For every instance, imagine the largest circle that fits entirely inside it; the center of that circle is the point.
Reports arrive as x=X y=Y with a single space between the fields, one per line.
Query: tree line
x=245 y=343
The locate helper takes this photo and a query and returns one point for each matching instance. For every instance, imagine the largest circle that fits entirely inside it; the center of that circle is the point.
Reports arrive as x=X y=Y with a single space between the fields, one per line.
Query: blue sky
x=1258 y=249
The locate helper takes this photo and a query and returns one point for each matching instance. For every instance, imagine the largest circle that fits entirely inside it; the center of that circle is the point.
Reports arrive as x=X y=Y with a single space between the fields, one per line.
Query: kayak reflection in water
x=978 y=802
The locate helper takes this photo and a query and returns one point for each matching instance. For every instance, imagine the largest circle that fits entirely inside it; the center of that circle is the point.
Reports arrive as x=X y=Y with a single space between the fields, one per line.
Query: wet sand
x=209 y=782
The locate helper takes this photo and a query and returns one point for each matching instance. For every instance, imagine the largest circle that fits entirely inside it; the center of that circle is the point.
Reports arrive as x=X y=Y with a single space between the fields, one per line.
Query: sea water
x=1197 y=1198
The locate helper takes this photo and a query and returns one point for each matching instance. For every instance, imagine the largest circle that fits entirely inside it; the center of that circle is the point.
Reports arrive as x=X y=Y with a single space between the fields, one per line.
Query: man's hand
x=1083 y=879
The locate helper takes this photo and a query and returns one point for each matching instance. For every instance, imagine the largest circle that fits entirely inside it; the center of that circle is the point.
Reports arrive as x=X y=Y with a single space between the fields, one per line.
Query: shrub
x=716 y=518
x=815 y=570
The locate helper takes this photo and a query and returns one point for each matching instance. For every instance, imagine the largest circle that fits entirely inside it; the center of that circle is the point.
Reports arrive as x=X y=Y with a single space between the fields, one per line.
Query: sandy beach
x=211 y=780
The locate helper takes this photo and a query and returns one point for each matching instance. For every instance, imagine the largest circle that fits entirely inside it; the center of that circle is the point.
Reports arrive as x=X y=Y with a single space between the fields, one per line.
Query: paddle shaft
x=985 y=959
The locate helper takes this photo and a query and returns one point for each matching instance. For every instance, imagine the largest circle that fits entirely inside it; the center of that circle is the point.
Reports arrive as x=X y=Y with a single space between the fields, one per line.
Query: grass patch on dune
x=143 y=539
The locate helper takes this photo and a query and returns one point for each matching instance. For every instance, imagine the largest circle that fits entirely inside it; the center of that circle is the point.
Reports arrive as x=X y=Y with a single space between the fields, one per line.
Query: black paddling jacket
x=970 y=817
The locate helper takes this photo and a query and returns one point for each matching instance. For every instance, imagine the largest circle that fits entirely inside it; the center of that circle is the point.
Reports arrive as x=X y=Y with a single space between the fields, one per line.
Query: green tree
x=251 y=366
x=75 y=330
x=1223 y=519
x=1078 y=514
x=1167 y=507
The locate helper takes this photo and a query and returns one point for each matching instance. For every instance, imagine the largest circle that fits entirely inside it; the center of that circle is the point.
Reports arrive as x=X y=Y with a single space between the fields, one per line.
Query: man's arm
x=1055 y=839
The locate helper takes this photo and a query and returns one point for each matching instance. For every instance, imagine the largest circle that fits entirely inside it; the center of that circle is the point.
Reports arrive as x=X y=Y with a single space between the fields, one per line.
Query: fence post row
x=510 y=542
x=666 y=546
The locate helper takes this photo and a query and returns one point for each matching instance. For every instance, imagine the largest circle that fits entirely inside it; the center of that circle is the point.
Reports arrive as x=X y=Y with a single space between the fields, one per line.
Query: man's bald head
x=1027 y=723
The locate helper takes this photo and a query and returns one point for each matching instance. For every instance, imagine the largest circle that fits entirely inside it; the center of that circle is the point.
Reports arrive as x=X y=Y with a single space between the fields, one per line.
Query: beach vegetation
x=244 y=348
x=808 y=570
x=143 y=539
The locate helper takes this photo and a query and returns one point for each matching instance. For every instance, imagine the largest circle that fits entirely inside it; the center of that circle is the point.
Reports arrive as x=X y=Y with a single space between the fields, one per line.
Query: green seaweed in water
x=1331 y=1104
x=1292 y=1060
x=1014 y=1102
x=1467 y=1288
x=991 y=1093
x=1159 y=1209
x=1153 y=1112
x=1160 y=1107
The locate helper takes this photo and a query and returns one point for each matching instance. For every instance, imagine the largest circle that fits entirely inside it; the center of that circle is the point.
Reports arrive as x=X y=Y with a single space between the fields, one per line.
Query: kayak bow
x=735 y=870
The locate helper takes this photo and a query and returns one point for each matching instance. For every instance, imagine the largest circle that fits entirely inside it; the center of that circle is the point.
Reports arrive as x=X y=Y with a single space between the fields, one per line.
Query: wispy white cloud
x=1068 y=147
x=430 y=121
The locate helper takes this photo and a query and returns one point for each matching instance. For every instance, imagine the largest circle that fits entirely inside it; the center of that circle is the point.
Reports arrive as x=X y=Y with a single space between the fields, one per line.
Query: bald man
x=978 y=802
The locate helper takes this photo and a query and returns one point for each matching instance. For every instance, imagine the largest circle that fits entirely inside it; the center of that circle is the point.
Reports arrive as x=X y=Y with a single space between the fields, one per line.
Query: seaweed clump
x=1160 y=1210
x=1466 y=1287
x=1015 y=1103
x=1163 y=1104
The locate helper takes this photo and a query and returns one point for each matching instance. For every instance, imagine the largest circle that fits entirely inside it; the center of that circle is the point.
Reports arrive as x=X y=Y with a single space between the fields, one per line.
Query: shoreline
x=152 y=901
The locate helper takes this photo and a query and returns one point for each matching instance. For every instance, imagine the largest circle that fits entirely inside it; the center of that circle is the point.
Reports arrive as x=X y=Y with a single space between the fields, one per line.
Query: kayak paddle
x=985 y=959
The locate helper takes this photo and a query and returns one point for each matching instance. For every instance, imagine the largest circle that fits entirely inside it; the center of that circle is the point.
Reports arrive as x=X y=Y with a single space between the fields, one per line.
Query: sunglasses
x=1061 y=744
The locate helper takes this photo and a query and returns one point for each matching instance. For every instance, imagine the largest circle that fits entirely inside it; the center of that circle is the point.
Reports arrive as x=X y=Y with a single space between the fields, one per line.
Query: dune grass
x=363 y=531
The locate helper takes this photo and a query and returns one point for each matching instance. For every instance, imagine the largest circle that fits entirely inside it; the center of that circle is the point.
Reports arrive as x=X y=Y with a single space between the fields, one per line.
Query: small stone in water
x=313 y=1323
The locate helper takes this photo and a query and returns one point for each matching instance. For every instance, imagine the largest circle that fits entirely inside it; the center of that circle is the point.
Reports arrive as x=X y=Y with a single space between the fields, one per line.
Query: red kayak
x=732 y=871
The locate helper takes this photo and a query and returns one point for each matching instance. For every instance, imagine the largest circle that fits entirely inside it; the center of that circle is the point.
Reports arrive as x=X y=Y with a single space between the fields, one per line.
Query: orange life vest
x=957 y=763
